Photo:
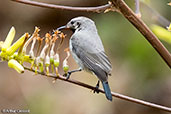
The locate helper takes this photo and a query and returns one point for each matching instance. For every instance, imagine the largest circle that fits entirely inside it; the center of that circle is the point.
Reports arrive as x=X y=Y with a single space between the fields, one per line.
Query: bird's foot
x=96 y=89
x=67 y=75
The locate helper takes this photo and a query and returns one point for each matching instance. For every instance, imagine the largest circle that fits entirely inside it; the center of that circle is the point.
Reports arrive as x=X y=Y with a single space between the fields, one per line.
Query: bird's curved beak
x=63 y=27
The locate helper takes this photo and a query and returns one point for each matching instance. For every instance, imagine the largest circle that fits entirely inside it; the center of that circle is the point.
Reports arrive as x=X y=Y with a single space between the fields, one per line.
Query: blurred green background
x=138 y=70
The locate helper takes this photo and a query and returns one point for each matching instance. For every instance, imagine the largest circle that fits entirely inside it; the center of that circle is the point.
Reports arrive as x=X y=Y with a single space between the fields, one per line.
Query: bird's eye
x=72 y=22
x=78 y=23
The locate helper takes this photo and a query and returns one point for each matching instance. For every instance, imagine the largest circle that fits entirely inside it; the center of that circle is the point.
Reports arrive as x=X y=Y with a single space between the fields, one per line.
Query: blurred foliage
x=138 y=70
x=127 y=44
x=162 y=33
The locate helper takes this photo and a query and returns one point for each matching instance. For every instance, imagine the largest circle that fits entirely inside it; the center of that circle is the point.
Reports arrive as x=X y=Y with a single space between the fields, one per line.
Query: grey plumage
x=88 y=51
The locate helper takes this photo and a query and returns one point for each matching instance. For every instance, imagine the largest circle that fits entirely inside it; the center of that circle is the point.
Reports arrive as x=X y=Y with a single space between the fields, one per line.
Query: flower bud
x=52 y=52
x=56 y=63
x=56 y=60
x=15 y=65
x=41 y=66
x=27 y=58
x=65 y=62
x=8 y=39
x=52 y=57
x=47 y=63
x=16 y=45
x=65 y=66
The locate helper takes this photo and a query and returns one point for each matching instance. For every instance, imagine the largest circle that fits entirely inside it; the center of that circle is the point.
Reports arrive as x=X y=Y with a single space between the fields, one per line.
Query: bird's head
x=79 y=23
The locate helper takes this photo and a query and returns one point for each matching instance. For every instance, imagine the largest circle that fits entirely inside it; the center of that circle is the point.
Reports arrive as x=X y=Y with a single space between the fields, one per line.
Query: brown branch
x=145 y=31
x=117 y=95
x=97 y=9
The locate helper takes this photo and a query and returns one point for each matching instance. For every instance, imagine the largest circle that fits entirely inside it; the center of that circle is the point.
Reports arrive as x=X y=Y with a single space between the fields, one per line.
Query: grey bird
x=88 y=51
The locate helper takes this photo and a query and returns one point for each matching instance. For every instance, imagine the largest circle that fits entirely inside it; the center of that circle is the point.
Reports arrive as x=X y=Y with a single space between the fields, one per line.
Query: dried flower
x=65 y=62
x=56 y=63
x=62 y=36
x=47 y=63
x=35 y=34
x=43 y=52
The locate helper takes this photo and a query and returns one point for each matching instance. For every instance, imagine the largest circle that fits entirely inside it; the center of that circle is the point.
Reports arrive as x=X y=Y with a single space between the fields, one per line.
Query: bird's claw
x=96 y=90
x=67 y=75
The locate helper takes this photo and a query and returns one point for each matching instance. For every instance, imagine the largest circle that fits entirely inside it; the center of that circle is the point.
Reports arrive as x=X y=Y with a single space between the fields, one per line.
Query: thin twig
x=143 y=28
x=97 y=9
x=117 y=95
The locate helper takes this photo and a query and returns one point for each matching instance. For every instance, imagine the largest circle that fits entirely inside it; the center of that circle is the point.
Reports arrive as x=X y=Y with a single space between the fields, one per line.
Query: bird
x=88 y=51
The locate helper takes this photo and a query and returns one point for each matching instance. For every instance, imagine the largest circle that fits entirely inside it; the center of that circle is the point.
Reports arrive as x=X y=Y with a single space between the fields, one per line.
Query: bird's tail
x=107 y=90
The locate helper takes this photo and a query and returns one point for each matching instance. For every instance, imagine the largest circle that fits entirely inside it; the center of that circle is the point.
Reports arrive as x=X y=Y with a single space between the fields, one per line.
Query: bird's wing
x=96 y=62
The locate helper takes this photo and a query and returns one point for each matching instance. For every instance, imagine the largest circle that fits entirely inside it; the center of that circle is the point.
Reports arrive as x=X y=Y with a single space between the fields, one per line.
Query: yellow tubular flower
x=9 y=39
x=16 y=45
x=169 y=28
x=15 y=65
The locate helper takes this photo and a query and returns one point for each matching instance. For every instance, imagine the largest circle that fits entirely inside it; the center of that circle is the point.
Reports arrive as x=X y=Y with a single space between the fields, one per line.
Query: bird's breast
x=75 y=57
